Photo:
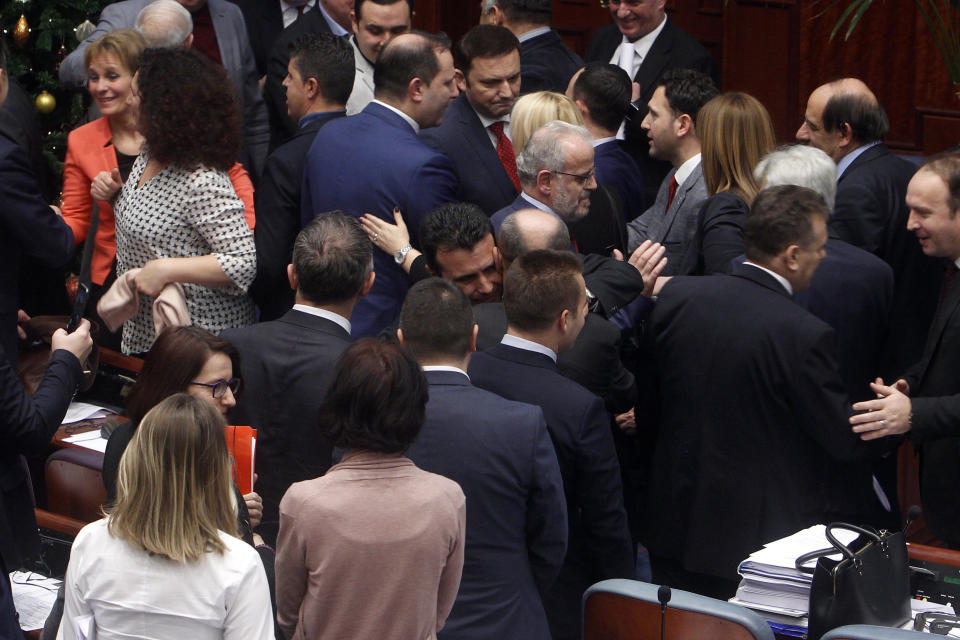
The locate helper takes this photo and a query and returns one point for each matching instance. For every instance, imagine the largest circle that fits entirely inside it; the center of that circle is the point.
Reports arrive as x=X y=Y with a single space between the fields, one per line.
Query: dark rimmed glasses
x=219 y=388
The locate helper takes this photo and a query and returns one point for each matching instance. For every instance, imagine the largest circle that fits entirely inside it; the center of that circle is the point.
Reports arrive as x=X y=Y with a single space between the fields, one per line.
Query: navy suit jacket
x=286 y=366
x=871 y=213
x=599 y=545
x=546 y=64
x=278 y=218
x=371 y=163
x=500 y=454
x=26 y=426
x=28 y=227
x=462 y=137
x=618 y=171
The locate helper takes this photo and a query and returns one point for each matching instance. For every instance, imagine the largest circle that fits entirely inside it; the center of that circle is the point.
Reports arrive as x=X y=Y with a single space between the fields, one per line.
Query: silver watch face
x=401 y=254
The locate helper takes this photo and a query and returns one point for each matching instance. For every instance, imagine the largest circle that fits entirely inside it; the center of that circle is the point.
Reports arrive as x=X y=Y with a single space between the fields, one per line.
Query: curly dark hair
x=188 y=111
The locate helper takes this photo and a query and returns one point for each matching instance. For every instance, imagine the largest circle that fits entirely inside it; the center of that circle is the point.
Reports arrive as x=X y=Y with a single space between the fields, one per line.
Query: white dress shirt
x=408 y=119
x=779 y=278
x=528 y=345
x=641 y=47
x=289 y=10
x=323 y=313
x=684 y=171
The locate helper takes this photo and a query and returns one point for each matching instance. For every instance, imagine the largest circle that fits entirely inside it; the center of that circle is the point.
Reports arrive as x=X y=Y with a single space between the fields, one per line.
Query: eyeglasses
x=219 y=388
x=633 y=4
x=580 y=177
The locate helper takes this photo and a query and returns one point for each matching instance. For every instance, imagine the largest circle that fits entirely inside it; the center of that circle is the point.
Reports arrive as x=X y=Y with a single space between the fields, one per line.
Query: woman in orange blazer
x=100 y=146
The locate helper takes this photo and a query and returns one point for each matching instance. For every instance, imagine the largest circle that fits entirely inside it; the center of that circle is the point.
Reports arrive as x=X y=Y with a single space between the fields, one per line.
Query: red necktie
x=673 y=192
x=299 y=11
x=505 y=153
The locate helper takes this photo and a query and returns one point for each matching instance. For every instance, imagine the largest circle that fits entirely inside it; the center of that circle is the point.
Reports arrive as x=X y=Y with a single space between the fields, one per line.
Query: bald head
x=528 y=230
x=165 y=23
x=841 y=116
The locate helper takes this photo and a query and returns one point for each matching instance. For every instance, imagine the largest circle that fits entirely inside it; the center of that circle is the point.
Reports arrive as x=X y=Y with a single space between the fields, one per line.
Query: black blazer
x=461 y=136
x=935 y=391
x=599 y=544
x=286 y=366
x=264 y=21
x=592 y=362
x=281 y=125
x=718 y=239
x=673 y=49
x=500 y=454
x=546 y=64
x=871 y=213
x=26 y=426
x=278 y=218
x=752 y=412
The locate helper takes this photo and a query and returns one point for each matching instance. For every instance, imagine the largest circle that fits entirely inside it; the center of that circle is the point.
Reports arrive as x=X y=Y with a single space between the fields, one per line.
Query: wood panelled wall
x=780 y=50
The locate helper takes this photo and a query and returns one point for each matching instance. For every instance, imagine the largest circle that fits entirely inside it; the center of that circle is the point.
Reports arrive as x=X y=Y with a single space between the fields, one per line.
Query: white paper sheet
x=89 y=440
x=85 y=411
x=33 y=596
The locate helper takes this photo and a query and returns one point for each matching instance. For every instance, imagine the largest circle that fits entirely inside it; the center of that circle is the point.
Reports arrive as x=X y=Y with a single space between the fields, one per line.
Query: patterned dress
x=184 y=213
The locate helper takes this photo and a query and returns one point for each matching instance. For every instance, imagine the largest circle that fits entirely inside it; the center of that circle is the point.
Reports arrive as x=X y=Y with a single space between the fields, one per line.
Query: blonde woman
x=166 y=562
x=534 y=110
x=735 y=132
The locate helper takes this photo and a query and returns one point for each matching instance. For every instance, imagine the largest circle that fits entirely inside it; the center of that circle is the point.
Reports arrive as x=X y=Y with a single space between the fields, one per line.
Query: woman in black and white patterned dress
x=178 y=216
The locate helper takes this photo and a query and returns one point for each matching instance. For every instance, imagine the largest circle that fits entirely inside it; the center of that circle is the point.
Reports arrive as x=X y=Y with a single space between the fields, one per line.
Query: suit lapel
x=479 y=141
x=657 y=58
x=867 y=156
x=679 y=198
x=226 y=39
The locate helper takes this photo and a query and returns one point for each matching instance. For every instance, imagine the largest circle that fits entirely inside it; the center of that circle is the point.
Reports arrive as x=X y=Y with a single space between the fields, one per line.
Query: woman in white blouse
x=166 y=562
x=178 y=216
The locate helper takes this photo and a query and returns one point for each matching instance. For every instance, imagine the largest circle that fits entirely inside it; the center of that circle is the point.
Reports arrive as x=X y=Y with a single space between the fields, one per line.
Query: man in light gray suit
x=670 y=124
x=227 y=39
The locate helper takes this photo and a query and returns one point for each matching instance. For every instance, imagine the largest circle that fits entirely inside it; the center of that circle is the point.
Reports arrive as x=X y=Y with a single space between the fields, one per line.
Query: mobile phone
x=79 y=307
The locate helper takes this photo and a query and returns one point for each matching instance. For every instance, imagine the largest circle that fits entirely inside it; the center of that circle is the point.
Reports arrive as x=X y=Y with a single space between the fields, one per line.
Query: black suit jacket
x=599 y=544
x=281 y=125
x=593 y=361
x=546 y=64
x=618 y=171
x=286 y=366
x=673 y=49
x=752 y=413
x=461 y=136
x=264 y=21
x=871 y=213
x=500 y=454
x=935 y=391
x=278 y=218
x=718 y=239
x=26 y=426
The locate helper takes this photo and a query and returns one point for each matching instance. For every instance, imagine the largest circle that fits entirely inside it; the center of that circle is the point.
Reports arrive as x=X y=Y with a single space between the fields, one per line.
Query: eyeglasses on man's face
x=630 y=4
x=579 y=177
x=219 y=388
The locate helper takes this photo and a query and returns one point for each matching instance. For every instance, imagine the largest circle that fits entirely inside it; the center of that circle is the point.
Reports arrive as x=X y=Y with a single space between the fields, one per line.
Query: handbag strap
x=89 y=244
x=800 y=562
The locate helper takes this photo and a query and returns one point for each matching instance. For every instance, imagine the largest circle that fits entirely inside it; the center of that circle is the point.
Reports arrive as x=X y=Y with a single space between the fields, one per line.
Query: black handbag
x=870 y=584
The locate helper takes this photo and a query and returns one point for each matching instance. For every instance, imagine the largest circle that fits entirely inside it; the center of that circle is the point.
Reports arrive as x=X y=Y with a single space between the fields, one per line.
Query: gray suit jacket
x=362 y=93
x=675 y=229
x=235 y=51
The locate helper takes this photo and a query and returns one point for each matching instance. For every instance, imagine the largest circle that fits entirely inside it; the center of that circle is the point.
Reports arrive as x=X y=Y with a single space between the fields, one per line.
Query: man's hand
x=105 y=186
x=79 y=343
x=649 y=260
x=888 y=415
x=627 y=422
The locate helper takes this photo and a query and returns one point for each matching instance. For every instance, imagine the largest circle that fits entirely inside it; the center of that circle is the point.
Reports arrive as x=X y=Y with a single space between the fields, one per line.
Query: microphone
x=913 y=513
x=663 y=595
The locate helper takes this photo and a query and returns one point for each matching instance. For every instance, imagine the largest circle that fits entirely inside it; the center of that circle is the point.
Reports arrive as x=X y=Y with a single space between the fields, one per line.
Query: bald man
x=845 y=120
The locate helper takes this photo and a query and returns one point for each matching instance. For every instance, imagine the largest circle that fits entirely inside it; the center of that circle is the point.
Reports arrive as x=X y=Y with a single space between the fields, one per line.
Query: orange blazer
x=90 y=151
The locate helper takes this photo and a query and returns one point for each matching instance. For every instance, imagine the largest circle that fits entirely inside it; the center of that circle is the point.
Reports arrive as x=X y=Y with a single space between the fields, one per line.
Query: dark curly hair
x=188 y=112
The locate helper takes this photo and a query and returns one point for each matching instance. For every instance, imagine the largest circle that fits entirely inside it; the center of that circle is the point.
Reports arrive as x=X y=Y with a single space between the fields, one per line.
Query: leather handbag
x=869 y=584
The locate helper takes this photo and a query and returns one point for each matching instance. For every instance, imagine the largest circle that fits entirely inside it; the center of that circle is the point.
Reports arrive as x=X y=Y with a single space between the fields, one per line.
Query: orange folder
x=242 y=443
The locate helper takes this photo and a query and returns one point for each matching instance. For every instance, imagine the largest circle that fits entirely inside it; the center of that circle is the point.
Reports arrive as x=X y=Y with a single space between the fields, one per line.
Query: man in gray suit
x=670 y=124
x=219 y=33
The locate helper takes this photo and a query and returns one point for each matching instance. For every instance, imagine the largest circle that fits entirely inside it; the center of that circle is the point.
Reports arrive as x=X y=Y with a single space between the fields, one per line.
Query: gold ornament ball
x=45 y=102
x=22 y=31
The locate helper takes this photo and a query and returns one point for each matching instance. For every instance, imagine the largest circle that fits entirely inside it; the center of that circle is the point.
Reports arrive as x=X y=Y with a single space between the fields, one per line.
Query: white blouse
x=130 y=593
x=182 y=213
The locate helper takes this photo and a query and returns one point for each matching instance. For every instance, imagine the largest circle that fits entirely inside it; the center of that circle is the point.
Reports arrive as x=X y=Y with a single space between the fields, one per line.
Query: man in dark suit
x=374 y=161
x=602 y=94
x=547 y=63
x=285 y=364
x=318 y=83
x=844 y=119
x=926 y=401
x=752 y=405
x=564 y=185
x=645 y=43
x=546 y=306
x=500 y=454
x=475 y=132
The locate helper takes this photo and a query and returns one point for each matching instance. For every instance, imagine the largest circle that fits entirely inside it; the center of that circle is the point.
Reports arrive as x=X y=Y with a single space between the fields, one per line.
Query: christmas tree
x=38 y=35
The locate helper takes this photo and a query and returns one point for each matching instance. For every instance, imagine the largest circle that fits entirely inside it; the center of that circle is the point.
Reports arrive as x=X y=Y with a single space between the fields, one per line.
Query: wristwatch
x=401 y=255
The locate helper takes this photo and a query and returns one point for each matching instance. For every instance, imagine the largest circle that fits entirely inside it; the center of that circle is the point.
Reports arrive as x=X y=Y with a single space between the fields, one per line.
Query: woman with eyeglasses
x=190 y=360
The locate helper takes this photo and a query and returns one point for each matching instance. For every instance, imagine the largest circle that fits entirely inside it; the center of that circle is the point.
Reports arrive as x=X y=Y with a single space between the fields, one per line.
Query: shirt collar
x=642 y=45
x=408 y=119
x=443 y=367
x=848 y=159
x=323 y=313
x=686 y=169
x=334 y=25
x=486 y=122
x=529 y=35
x=537 y=204
x=599 y=141
x=528 y=345
x=316 y=115
x=783 y=281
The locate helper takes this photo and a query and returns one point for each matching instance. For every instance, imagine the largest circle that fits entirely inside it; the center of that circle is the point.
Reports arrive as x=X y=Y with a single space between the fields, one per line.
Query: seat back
x=870 y=632
x=629 y=609
x=75 y=484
